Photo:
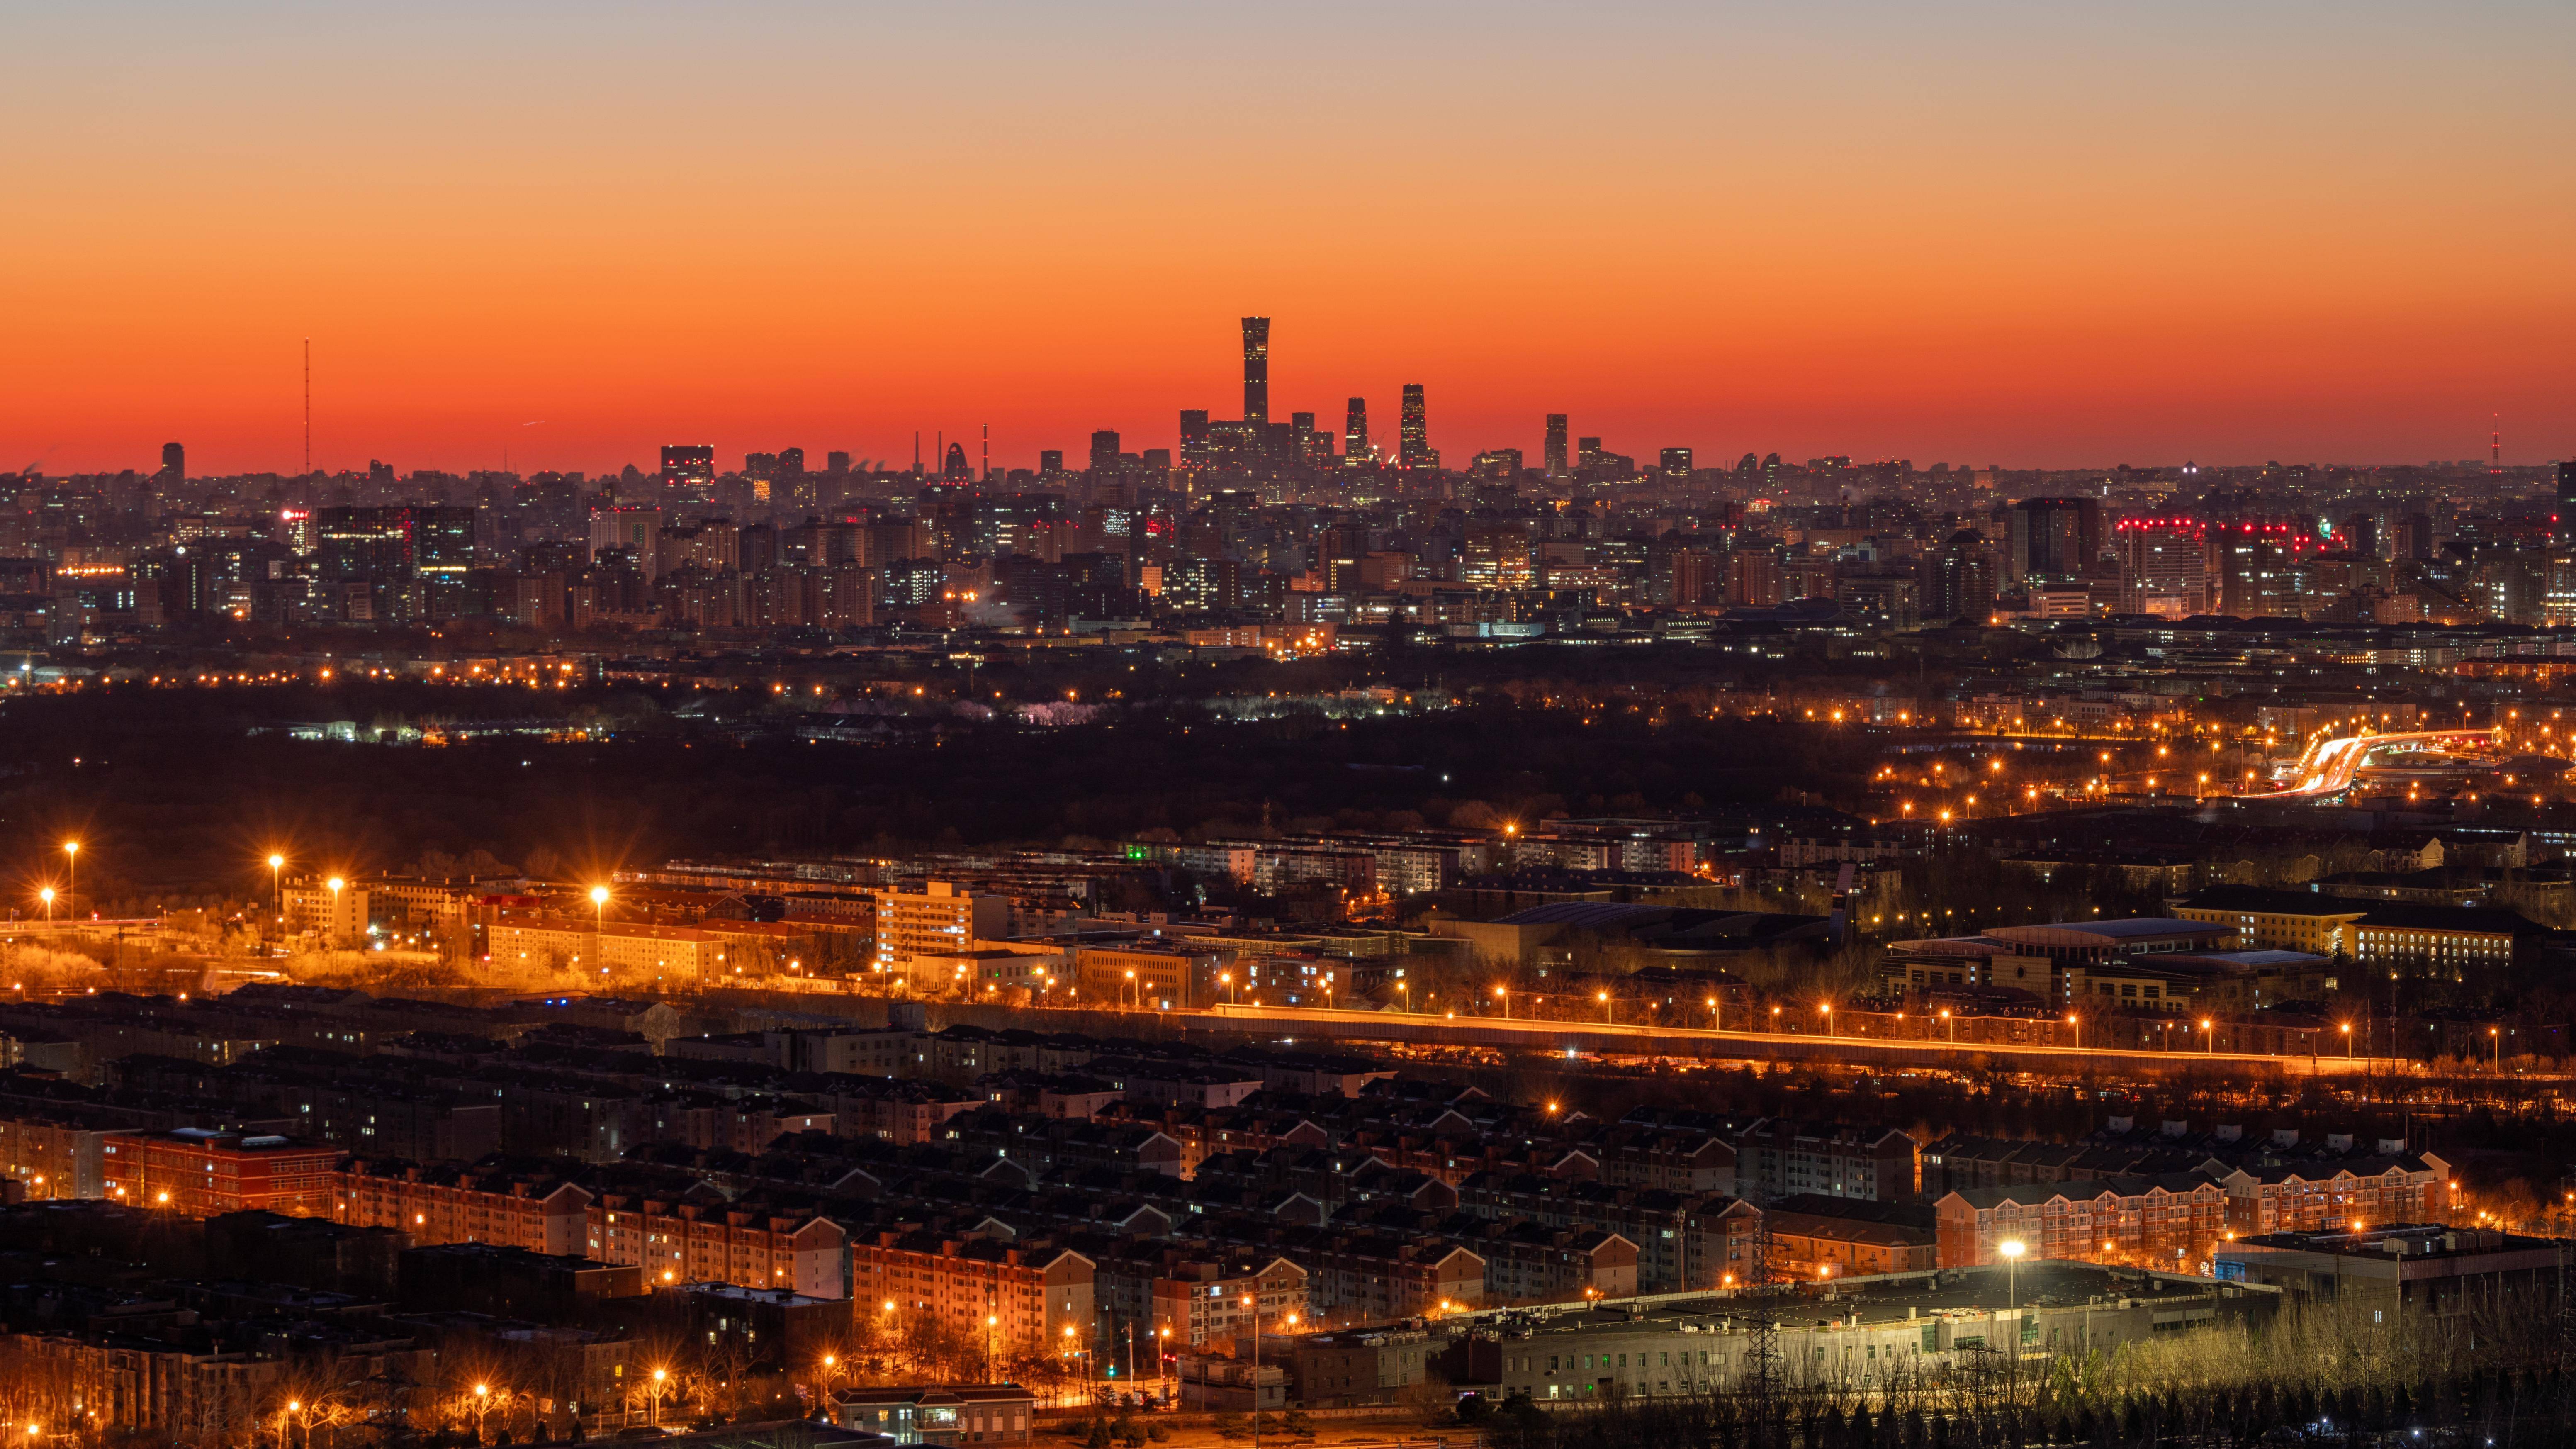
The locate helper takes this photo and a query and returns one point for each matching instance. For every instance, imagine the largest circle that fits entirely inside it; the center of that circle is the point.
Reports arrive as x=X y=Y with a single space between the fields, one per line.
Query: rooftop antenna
x=916 y=452
x=2495 y=443
x=308 y=407
x=988 y=452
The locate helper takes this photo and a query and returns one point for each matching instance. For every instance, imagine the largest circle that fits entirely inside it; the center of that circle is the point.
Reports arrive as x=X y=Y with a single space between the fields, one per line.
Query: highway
x=1616 y=1039
x=2327 y=766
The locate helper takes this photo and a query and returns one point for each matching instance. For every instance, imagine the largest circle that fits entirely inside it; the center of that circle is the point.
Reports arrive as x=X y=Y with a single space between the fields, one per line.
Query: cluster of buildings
x=313 y=1180
x=1260 y=522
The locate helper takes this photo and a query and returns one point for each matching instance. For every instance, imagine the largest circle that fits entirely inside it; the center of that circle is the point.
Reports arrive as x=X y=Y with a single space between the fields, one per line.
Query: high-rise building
x=1194 y=438
x=2164 y=566
x=684 y=463
x=1674 y=464
x=2562 y=524
x=1554 y=454
x=836 y=463
x=1587 y=453
x=1355 y=443
x=1495 y=556
x=2051 y=540
x=1104 y=452
x=791 y=462
x=1050 y=462
x=1962 y=578
x=1413 y=431
x=956 y=468
x=174 y=464
x=635 y=531
x=1256 y=369
x=2260 y=568
x=2415 y=538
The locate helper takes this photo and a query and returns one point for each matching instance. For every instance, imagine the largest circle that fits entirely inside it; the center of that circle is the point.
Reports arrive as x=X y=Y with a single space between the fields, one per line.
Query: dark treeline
x=172 y=790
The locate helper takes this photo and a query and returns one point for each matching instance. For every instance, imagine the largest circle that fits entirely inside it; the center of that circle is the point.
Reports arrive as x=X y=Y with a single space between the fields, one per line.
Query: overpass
x=2328 y=766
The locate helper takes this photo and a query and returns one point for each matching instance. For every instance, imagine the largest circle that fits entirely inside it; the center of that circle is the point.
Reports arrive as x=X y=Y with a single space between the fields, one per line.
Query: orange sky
x=2031 y=234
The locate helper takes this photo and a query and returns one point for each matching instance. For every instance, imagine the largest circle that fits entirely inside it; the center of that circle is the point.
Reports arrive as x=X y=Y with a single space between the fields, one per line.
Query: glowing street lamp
x=2076 y=1022
x=47 y=896
x=277 y=886
x=1606 y=1009
x=2012 y=1249
x=335 y=883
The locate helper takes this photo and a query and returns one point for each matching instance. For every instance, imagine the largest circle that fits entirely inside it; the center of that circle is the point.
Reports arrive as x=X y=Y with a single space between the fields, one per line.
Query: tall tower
x=1355 y=444
x=1256 y=369
x=1556 y=445
x=174 y=464
x=1413 y=430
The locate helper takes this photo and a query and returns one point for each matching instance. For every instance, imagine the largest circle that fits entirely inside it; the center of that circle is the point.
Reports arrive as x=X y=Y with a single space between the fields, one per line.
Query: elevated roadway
x=1616 y=1039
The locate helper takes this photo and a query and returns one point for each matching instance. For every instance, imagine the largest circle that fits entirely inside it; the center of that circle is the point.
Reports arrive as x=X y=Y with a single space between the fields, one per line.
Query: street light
x=599 y=909
x=2209 y=1029
x=277 y=887
x=1604 y=998
x=1505 y=997
x=1828 y=1008
x=2347 y=1041
x=2012 y=1249
x=47 y=896
x=335 y=883
x=1252 y=1305
x=2078 y=1023
x=1716 y=1018
x=482 y=1403
x=71 y=883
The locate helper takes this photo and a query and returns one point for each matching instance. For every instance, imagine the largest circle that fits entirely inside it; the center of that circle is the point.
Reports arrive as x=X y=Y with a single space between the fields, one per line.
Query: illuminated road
x=2327 y=766
x=1619 y=1039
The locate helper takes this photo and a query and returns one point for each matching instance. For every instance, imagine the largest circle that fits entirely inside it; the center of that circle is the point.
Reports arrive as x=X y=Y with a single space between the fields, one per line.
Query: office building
x=2415 y=1273
x=1674 y=464
x=1496 y=556
x=2562 y=523
x=2164 y=566
x=1413 y=431
x=1104 y=452
x=2051 y=540
x=1355 y=443
x=1194 y=439
x=942 y=920
x=686 y=463
x=1256 y=369
x=1555 y=455
x=174 y=464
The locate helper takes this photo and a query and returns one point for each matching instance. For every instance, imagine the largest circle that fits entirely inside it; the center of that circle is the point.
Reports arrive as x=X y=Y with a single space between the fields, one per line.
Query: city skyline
x=1983 y=237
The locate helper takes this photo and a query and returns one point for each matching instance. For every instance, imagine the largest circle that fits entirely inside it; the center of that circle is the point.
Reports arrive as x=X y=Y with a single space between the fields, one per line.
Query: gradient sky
x=2037 y=234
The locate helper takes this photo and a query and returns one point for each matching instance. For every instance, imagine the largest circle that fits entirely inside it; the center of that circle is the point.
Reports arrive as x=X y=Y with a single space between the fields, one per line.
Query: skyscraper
x=2164 y=566
x=2052 y=539
x=1555 y=455
x=1256 y=369
x=1413 y=431
x=1675 y=464
x=2562 y=528
x=1194 y=438
x=1355 y=443
x=688 y=463
x=956 y=469
x=1104 y=451
x=174 y=466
